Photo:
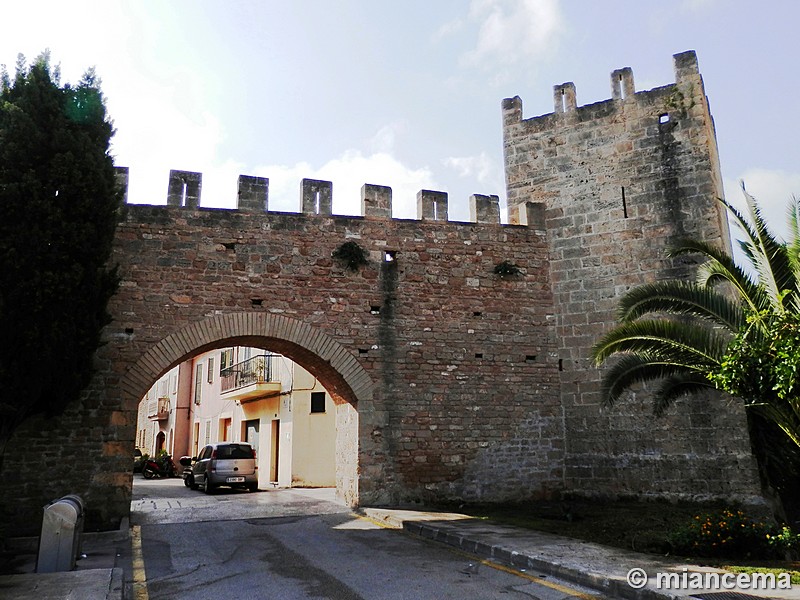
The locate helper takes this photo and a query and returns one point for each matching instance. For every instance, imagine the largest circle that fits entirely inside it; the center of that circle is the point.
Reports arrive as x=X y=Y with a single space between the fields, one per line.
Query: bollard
x=60 y=541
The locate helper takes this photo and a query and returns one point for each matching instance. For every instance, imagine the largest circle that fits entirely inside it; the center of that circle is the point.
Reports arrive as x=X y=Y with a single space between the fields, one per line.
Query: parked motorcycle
x=163 y=467
x=187 y=474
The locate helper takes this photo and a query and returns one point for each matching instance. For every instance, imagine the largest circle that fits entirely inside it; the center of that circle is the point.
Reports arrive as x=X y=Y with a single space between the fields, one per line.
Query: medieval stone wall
x=614 y=184
x=451 y=382
x=463 y=400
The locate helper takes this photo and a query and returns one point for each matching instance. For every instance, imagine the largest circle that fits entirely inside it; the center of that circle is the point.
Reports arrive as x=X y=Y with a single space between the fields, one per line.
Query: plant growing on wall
x=352 y=255
x=506 y=269
x=60 y=209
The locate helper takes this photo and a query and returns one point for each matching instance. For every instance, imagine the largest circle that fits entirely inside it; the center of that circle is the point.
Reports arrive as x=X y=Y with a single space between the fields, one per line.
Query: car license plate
x=235 y=480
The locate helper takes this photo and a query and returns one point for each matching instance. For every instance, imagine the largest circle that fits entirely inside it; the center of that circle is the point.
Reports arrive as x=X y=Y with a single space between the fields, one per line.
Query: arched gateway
x=337 y=370
x=443 y=370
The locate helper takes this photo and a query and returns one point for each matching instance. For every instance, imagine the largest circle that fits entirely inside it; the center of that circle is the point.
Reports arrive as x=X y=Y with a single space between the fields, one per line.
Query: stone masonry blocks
x=617 y=186
x=531 y=214
x=622 y=86
x=376 y=201
x=253 y=193
x=564 y=97
x=484 y=209
x=234 y=325
x=122 y=174
x=316 y=197
x=686 y=66
x=431 y=206
x=184 y=189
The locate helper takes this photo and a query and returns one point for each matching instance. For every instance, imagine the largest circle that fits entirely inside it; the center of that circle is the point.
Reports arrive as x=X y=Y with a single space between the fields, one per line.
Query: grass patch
x=790 y=568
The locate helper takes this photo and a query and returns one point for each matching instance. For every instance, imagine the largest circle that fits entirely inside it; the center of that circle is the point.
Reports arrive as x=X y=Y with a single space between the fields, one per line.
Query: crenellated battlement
x=623 y=90
x=609 y=149
x=316 y=198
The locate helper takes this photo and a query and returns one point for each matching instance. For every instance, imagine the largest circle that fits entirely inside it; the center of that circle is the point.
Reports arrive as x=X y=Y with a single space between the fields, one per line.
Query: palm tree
x=728 y=330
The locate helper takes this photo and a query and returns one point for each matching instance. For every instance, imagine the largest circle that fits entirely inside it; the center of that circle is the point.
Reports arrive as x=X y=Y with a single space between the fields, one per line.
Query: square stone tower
x=614 y=184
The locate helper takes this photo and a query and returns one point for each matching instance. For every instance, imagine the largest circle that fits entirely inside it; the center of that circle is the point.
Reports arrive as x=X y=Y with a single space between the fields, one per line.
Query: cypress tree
x=59 y=205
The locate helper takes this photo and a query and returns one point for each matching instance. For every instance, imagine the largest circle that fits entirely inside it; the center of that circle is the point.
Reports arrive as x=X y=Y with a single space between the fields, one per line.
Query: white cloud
x=162 y=138
x=157 y=106
x=480 y=167
x=384 y=138
x=513 y=31
x=284 y=184
x=350 y=171
x=449 y=29
x=157 y=137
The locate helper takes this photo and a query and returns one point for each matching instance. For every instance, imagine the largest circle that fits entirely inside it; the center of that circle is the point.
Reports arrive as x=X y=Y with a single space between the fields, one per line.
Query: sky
x=405 y=94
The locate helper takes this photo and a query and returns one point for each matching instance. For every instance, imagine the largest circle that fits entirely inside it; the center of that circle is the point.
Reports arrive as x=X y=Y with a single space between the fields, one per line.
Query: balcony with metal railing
x=158 y=410
x=252 y=379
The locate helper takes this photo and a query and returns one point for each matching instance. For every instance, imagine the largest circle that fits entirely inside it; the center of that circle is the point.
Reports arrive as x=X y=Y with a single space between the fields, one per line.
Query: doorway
x=274 y=449
x=160 y=439
x=251 y=428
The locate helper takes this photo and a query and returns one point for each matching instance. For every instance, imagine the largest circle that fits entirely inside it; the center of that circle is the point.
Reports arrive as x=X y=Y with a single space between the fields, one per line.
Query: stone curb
x=116 y=588
x=596 y=581
x=419 y=523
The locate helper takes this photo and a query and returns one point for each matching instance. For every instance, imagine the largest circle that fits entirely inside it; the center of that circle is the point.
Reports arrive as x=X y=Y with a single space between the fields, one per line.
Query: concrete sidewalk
x=590 y=565
x=100 y=576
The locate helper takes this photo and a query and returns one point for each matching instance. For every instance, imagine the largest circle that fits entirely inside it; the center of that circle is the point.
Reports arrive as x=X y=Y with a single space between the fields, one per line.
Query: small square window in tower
x=317 y=402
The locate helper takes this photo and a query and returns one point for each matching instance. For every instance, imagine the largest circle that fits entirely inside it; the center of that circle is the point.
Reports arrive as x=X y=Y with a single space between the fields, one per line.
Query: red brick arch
x=338 y=371
x=296 y=339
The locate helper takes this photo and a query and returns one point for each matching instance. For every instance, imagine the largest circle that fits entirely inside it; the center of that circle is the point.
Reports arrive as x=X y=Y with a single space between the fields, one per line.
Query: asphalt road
x=292 y=544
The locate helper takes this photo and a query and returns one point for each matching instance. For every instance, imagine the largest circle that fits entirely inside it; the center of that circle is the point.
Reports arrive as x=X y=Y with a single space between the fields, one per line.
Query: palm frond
x=780 y=414
x=677 y=386
x=793 y=243
x=631 y=369
x=687 y=344
x=681 y=298
x=767 y=254
x=676 y=334
x=720 y=266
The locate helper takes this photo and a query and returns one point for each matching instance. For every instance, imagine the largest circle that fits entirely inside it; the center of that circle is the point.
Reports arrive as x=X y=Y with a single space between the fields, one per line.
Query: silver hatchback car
x=230 y=464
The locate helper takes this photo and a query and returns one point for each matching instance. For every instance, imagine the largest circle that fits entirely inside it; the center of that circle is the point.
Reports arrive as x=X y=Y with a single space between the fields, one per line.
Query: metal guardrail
x=258 y=369
x=158 y=409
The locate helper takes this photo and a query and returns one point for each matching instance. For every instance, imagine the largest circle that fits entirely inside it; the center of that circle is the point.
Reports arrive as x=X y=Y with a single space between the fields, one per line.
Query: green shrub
x=730 y=534
x=784 y=541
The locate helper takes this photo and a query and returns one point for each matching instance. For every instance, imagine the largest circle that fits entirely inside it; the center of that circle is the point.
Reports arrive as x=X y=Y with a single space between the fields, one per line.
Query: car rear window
x=234 y=451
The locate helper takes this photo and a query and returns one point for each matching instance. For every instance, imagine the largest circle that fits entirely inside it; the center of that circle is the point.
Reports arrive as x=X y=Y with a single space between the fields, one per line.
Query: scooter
x=187 y=474
x=163 y=467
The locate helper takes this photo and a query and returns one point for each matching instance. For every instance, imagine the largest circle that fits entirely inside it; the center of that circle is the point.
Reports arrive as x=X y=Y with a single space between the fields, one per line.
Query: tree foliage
x=60 y=204
x=762 y=364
